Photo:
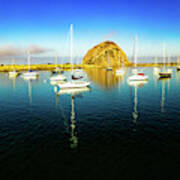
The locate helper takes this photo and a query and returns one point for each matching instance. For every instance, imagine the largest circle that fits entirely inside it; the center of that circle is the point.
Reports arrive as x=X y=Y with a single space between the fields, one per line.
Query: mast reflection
x=135 y=113
x=73 y=137
x=72 y=125
x=30 y=92
x=163 y=94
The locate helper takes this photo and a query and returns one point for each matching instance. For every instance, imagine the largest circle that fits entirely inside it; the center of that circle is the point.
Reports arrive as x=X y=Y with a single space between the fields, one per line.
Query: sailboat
x=109 y=68
x=57 y=69
x=14 y=73
x=73 y=83
x=30 y=74
x=165 y=73
x=57 y=77
x=137 y=76
x=77 y=74
x=120 y=71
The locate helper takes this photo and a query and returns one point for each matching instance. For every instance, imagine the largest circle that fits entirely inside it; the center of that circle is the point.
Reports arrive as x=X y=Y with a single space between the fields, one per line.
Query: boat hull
x=178 y=68
x=138 y=78
x=30 y=75
x=72 y=84
x=13 y=74
x=165 y=75
x=58 y=78
x=73 y=91
x=57 y=70
x=74 y=77
x=109 y=69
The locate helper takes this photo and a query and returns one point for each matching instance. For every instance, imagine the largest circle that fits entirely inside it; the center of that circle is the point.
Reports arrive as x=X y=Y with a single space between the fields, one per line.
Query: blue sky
x=46 y=23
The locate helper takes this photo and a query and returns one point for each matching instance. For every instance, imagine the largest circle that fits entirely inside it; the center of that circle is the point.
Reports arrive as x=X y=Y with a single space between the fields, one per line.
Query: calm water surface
x=111 y=130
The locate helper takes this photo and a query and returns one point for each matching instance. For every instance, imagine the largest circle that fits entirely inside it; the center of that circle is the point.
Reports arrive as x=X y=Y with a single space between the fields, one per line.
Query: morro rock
x=106 y=54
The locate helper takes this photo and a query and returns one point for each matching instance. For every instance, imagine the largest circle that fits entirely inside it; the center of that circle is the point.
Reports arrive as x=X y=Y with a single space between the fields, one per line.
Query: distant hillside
x=100 y=54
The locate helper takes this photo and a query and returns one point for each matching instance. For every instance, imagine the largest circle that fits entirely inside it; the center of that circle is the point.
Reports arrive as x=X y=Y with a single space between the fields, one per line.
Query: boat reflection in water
x=13 y=78
x=29 y=79
x=75 y=92
x=163 y=94
x=105 y=79
x=136 y=84
x=30 y=92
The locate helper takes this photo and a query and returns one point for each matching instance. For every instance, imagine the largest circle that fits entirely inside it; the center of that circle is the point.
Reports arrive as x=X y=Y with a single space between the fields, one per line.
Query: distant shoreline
x=41 y=67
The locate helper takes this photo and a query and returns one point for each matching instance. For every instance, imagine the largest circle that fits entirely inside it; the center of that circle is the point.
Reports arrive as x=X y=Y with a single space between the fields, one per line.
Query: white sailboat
x=165 y=73
x=120 y=71
x=57 y=69
x=30 y=74
x=137 y=76
x=77 y=74
x=73 y=83
x=14 y=73
x=57 y=77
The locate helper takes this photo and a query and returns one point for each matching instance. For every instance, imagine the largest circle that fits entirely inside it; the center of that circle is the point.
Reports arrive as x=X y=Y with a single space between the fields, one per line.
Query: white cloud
x=10 y=50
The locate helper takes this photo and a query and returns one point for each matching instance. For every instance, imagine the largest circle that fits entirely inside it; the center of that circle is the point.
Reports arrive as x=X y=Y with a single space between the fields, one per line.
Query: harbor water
x=110 y=130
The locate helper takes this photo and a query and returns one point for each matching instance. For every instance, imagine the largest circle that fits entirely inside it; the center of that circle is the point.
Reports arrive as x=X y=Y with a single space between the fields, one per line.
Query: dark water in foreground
x=112 y=130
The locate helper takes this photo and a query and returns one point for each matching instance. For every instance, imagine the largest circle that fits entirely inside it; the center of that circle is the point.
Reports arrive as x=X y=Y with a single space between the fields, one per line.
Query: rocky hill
x=106 y=54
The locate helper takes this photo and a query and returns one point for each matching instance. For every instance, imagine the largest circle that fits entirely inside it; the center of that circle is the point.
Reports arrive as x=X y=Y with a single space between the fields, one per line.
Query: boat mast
x=13 y=63
x=164 y=55
x=71 y=46
x=56 y=59
x=135 y=51
x=168 y=60
x=28 y=58
x=156 y=61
